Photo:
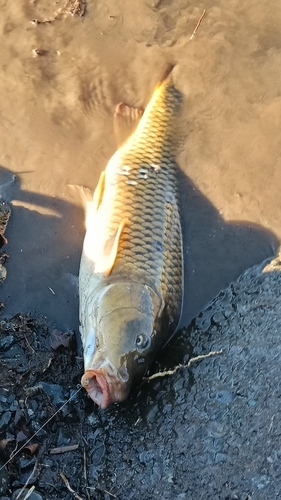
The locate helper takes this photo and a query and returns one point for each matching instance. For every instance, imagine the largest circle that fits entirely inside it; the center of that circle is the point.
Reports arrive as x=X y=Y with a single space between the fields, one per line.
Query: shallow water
x=56 y=129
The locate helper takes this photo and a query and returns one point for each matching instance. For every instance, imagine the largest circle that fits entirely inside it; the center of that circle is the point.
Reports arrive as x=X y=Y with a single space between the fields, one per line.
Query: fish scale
x=131 y=272
x=147 y=206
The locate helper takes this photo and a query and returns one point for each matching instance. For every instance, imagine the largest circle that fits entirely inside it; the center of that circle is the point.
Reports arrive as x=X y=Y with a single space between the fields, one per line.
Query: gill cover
x=124 y=323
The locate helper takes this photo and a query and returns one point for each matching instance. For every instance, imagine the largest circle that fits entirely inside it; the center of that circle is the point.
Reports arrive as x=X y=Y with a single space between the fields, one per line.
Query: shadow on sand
x=45 y=237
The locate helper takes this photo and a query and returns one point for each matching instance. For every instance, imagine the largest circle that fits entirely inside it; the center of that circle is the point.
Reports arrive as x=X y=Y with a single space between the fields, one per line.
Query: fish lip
x=95 y=383
x=103 y=388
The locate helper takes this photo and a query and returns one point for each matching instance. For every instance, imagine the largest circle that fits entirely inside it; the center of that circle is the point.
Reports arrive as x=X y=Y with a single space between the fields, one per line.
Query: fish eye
x=142 y=341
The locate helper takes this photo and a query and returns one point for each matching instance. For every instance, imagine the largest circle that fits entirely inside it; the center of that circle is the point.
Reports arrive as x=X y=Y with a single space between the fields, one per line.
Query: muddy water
x=62 y=76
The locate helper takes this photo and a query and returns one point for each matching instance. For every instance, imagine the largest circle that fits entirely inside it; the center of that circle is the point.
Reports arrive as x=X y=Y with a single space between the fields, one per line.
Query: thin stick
x=85 y=473
x=69 y=487
x=105 y=491
x=29 y=492
x=64 y=449
x=111 y=494
x=28 y=479
x=198 y=24
x=85 y=465
x=37 y=432
x=192 y=360
x=29 y=344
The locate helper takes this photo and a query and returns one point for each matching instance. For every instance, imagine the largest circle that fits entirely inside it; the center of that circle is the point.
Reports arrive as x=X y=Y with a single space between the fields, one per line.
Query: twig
x=64 y=449
x=105 y=491
x=85 y=465
x=85 y=473
x=192 y=360
x=29 y=344
x=27 y=481
x=69 y=487
x=111 y=494
x=203 y=356
x=198 y=24
x=48 y=365
x=29 y=492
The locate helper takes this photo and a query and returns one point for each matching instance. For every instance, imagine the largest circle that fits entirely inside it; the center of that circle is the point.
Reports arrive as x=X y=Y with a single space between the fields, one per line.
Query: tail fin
x=166 y=75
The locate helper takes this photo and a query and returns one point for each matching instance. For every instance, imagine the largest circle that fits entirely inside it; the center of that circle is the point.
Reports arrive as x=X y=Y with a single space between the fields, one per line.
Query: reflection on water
x=56 y=129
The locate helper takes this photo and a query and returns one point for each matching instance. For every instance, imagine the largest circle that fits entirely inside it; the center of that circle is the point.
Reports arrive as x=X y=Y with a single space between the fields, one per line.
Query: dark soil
x=209 y=431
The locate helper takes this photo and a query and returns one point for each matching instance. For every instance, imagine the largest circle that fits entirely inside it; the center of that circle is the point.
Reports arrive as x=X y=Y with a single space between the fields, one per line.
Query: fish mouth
x=103 y=388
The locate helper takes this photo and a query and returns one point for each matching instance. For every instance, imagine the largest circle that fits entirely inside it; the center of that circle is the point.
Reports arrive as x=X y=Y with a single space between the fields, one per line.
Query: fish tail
x=166 y=75
x=166 y=98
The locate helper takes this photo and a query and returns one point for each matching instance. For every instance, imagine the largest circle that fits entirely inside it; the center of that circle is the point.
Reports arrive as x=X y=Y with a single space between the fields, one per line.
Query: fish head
x=121 y=341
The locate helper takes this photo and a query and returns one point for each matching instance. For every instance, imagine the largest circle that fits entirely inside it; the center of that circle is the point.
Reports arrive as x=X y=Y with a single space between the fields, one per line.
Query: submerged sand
x=62 y=76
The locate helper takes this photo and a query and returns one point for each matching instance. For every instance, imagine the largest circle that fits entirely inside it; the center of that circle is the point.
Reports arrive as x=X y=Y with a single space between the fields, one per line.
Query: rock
x=5 y=212
x=4 y=480
x=33 y=496
x=26 y=463
x=65 y=339
x=4 y=404
x=4 y=421
x=6 y=342
x=4 y=217
x=55 y=391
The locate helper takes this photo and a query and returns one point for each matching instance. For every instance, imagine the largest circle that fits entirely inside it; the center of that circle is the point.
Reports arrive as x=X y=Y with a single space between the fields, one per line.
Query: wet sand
x=61 y=79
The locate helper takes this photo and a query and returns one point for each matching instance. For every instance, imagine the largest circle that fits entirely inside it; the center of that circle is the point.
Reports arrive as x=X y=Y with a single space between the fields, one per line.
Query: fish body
x=131 y=273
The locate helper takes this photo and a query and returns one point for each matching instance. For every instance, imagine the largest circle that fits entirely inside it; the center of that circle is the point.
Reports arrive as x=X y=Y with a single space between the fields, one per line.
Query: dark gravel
x=209 y=431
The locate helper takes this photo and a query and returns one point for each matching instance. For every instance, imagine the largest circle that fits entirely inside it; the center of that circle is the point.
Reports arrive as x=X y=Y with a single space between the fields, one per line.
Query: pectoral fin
x=107 y=255
x=91 y=207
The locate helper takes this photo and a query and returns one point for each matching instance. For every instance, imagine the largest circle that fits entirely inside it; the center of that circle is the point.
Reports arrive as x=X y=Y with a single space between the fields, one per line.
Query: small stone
x=5 y=212
x=6 y=343
x=25 y=463
x=55 y=392
x=225 y=397
x=65 y=339
x=3 y=273
x=4 y=404
x=33 y=496
x=4 y=421
x=4 y=481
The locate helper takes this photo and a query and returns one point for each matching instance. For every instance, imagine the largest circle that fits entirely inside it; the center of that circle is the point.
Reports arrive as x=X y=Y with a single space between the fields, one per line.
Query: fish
x=131 y=269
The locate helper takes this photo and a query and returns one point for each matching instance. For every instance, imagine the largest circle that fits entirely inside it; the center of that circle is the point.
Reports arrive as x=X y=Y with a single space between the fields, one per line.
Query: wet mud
x=210 y=430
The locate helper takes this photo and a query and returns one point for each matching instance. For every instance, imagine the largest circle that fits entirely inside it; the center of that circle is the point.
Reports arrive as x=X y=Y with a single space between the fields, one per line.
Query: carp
x=131 y=270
